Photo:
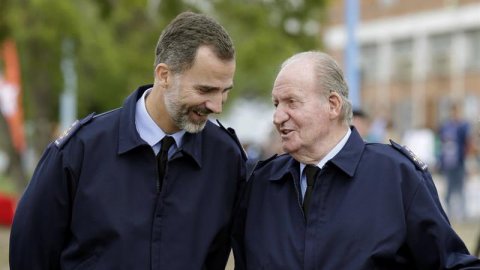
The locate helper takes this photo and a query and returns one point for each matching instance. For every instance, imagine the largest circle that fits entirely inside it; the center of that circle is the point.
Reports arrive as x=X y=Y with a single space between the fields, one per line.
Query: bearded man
x=151 y=185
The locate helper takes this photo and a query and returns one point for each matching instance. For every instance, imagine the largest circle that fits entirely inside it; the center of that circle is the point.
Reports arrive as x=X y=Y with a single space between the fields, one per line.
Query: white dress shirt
x=330 y=155
x=149 y=131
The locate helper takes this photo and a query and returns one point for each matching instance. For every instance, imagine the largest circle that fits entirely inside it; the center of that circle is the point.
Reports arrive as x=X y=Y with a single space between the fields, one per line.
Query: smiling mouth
x=285 y=132
x=200 y=113
x=198 y=116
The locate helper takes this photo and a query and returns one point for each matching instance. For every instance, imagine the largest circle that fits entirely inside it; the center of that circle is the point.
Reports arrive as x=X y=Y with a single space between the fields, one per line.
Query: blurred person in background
x=272 y=145
x=361 y=122
x=477 y=247
x=454 y=136
x=150 y=185
x=334 y=201
x=379 y=126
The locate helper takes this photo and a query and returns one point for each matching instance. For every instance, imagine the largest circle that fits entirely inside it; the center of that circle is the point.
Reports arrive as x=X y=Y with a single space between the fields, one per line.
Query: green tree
x=114 y=42
x=266 y=32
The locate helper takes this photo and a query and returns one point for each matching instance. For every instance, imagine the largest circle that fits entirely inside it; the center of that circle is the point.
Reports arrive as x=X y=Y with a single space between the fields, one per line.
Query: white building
x=416 y=57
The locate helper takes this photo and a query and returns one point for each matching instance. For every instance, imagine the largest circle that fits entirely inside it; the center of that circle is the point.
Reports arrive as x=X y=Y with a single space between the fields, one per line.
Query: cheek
x=190 y=99
x=311 y=124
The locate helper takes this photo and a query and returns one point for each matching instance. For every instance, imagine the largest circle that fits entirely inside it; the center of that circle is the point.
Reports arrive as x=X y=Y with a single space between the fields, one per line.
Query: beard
x=179 y=112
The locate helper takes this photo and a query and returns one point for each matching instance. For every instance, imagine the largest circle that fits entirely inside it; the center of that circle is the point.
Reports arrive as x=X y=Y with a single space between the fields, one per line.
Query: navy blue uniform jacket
x=372 y=207
x=93 y=202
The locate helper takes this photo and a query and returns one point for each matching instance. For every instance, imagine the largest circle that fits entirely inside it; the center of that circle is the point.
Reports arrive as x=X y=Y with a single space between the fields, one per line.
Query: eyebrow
x=285 y=97
x=212 y=88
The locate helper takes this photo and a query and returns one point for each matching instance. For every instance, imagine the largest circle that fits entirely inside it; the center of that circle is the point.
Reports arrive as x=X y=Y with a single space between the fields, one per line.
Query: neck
x=316 y=152
x=155 y=104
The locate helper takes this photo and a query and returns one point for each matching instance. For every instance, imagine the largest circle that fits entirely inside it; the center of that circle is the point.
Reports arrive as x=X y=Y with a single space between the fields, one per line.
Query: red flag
x=11 y=95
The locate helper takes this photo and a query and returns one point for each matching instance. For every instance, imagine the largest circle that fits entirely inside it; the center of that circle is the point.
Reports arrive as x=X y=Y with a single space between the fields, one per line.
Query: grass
x=4 y=242
x=7 y=186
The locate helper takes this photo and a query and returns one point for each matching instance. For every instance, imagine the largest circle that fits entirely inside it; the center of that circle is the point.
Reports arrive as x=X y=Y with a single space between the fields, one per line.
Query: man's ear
x=335 y=102
x=162 y=74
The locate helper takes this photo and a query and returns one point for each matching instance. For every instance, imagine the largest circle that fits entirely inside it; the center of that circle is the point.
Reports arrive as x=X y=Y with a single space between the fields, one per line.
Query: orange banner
x=11 y=95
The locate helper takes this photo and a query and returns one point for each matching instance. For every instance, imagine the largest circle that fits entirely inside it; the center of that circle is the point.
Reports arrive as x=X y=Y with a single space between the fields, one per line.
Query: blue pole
x=68 y=98
x=351 y=52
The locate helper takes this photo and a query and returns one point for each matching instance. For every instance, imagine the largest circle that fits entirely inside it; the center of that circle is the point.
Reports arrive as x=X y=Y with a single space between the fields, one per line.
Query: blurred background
x=408 y=63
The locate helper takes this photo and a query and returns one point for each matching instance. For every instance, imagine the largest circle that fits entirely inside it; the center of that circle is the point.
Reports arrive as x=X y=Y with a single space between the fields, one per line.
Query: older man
x=334 y=201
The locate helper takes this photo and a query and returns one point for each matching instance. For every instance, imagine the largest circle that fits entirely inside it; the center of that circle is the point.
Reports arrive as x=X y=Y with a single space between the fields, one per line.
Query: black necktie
x=162 y=158
x=310 y=172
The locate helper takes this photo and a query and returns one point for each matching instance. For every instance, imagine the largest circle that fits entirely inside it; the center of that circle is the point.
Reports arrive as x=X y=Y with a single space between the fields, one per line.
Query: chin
x=288 y=148
x=191 y=127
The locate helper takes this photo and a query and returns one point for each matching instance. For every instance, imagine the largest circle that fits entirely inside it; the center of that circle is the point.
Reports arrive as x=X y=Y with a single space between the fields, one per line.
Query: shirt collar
x=332 y=152
x=128 y=137
x=346 y=160
x=148 y=130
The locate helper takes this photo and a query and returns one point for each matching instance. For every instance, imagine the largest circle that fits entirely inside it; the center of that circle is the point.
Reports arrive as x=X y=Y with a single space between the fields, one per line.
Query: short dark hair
x=180 y=40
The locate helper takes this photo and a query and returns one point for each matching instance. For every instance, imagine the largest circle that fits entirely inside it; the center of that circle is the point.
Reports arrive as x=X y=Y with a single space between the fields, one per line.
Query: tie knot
x=166 y=142
x=310 y=172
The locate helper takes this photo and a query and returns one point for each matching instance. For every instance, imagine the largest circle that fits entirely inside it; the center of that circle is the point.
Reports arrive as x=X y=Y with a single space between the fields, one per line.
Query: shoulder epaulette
x=105 y=113
x=231 y=132
x=67 y=134
x=408 y=153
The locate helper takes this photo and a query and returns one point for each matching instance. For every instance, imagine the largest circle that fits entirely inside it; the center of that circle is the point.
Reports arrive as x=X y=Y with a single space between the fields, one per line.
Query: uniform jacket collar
x=290 y=167
x=192 y=146
x=346 y=160
x=129 y=138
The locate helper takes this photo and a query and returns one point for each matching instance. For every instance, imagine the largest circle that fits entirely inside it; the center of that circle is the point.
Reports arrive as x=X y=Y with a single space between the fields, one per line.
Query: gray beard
x=179 y=113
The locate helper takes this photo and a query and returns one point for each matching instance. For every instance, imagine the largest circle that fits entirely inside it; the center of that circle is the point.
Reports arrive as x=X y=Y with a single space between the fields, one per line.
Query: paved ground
x=4 y=234
x=468 y=230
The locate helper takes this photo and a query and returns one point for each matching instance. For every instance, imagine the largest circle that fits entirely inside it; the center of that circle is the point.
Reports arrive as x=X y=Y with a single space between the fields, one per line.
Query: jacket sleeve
x=41 y=221
x=238 y=228
x=433 y=242
x=221 y=247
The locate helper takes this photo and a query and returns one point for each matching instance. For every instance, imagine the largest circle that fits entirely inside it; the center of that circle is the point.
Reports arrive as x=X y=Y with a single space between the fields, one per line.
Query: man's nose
x=215 y=103
x=279 y=116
